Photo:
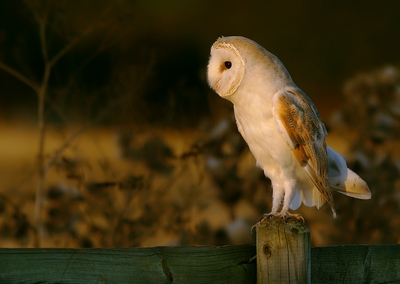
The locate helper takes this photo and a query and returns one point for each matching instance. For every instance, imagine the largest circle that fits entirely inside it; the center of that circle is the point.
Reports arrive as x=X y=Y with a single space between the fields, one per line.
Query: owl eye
x=228 y=64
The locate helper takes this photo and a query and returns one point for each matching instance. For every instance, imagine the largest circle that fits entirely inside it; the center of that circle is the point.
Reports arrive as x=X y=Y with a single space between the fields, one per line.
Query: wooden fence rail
x=201 y=264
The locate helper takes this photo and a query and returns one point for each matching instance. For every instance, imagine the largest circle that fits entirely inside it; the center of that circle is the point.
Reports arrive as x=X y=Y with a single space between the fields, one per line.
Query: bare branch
x=43 y=40
x=19 y=76
x=99 y=117
x=85 y=33
x=35 y=13
x=65 y=145
x=70 y=45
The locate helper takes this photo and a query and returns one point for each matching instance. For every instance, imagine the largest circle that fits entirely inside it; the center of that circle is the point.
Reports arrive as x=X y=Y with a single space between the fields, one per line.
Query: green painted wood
x=227 y=264
x=356 y=264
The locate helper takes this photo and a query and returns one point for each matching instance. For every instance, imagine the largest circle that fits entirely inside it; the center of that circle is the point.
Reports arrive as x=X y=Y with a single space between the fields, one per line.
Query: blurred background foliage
x=143 y=153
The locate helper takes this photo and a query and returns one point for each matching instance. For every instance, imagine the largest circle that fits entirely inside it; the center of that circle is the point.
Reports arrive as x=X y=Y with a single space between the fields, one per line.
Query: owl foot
x=285 y=215
x=264 y=217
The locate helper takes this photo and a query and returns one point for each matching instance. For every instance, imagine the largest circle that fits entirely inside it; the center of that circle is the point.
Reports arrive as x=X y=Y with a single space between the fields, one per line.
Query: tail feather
x=353 y=186
x=344 y=180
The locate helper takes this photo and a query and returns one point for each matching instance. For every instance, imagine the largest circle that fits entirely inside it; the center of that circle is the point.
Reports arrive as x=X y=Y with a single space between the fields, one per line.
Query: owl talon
x=264 y=217
x=283 y=215
x=267 y=216
x=286 y=216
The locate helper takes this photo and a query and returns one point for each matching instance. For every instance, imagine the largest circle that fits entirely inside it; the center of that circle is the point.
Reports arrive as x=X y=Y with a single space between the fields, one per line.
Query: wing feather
x=301 y=127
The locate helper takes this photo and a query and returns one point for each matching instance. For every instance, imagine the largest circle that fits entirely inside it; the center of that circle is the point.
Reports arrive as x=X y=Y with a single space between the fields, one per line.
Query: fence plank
x=356 y=264
x=227 y=264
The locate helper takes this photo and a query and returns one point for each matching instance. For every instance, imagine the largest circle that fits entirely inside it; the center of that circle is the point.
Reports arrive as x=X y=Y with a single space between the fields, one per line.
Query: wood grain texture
x=283 y=251
x=356 y=264
x=227 y=264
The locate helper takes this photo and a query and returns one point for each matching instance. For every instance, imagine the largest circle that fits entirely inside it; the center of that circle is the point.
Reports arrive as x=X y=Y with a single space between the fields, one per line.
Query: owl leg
x=290 y=192
x=277 y=196
x=279 y=192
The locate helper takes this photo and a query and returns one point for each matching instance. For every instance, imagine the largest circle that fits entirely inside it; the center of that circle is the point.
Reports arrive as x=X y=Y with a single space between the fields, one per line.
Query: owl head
x=235 y=58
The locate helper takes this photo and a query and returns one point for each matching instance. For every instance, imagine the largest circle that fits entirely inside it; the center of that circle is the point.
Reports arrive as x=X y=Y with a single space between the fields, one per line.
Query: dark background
x=158 y=160
x=321 y=44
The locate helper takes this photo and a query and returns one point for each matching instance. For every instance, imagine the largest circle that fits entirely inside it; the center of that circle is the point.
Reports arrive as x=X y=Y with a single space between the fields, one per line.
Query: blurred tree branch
x=19 y=76
x=41 y=90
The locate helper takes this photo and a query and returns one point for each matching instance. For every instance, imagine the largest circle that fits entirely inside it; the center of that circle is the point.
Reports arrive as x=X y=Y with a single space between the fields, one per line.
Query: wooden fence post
x=283 y=251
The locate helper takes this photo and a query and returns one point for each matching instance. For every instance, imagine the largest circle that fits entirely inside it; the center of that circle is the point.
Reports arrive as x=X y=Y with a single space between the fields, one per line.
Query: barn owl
x=281 y=126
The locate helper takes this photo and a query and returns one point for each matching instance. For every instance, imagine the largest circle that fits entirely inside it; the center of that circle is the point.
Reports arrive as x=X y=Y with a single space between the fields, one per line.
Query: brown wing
x=300 y=125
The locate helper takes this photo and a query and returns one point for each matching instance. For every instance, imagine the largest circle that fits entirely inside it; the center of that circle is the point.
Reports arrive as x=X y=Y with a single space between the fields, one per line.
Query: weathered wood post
x=283 y=251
